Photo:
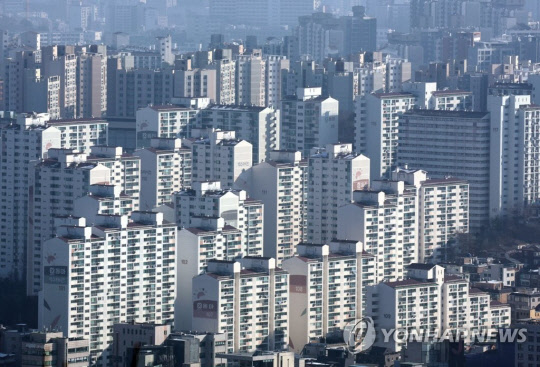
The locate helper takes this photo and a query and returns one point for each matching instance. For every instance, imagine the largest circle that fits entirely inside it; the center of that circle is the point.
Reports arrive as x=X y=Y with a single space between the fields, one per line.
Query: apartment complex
x=431 y=303
x=450 y=144
x=335 y=172
x=164 y=121
x=376 y=129
x=514 y=180
x=308 y=120
x=325 y=289
x=258 y=125
x=247 y=300
x=98 y=276
x=208 y=238
x=165 y=169
x=219 y=156
x=24 y=140
x=281 y=184
x=208 y=199
x=385 y=220
x=443 y=212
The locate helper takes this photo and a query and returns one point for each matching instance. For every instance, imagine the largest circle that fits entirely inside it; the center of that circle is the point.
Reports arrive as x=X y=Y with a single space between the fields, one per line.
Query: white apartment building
x=115 y=271
x=450 y=144
x=195 y=83
x=276 y=68
x=82 y=134
x=377 y=122
x=247 y=300
x=376 y=128
x=251 y=79
x=225 y=81
x=168 y=121
x=431 y=303
x=281 y=183
x=207 y=199
x=165 y=169
x=103 y=199
x=443 y=212
x=514 y=175
x=220 y=156
x=385 y=220
x=54 y=185
x=27 y=139
x=371 y=78
x=126 y=168
x=334 y=173
x=398 y=72
x=308 y=120
x=61 y=61
x=325 y=289
x=258 y=125
x=451 y=100
x=64 y=176
x=208 y=239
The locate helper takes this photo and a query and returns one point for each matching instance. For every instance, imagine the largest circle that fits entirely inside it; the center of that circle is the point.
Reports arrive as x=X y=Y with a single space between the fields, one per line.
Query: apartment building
x=258 y=125
x=325 y=289
x=164 y=121
x=26 y=139
x=275 y=72
x=376 y=128
x=514 y=177
x=208 y=238
x=281 y=184
x=165 y=169
x=250 y=79
x=451 y=100
x=195 y=83
x=126 y=167
x=335 y=172
x=308 y=120
x=62 y=61
x=247 y=300
x=225 y=81
x=219 y=156
x=131 y=89
x=431 y=303
x=82 y=134
x=450 y=144
x=443 y=212
x=208 y=199
x=385 y=220
x=56 y=182
x=41 y=94
x=95 y=277
x=92 y=81
x=104 y=199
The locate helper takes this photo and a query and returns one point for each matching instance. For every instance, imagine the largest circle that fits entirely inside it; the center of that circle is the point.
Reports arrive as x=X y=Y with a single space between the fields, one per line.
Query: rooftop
x=448 y=114
x=420 y=266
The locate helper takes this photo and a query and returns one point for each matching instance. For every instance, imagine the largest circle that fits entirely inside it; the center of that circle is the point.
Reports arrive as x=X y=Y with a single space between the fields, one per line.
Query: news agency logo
x=359 y=335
